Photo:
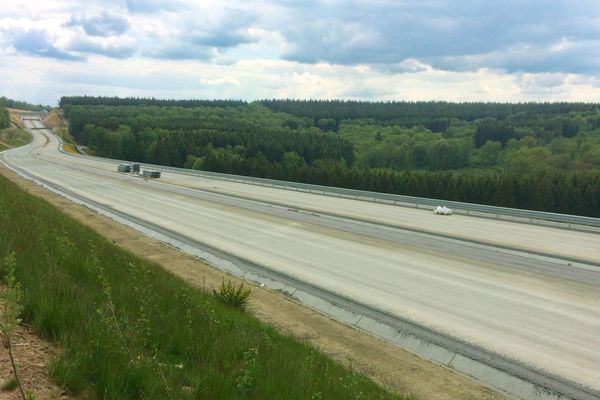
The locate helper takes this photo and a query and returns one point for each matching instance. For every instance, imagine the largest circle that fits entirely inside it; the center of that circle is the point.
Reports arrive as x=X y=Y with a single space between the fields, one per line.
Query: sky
x=376 y=50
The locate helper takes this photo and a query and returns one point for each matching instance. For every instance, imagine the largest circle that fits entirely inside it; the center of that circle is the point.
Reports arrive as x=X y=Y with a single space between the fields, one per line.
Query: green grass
x=14 y=137
x=129 y=329
x=3 y=147
x=232 y=295
x=9 y=385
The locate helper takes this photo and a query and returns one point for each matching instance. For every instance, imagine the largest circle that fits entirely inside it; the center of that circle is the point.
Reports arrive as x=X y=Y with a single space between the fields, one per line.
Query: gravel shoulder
x=387 y=364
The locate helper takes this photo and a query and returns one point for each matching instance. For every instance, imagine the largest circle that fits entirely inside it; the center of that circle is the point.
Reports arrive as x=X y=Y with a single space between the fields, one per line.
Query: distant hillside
x=22 y=105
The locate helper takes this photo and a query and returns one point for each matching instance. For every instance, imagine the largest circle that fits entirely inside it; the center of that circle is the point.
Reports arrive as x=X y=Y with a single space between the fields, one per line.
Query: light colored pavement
x=573 y=245
x=541 y=320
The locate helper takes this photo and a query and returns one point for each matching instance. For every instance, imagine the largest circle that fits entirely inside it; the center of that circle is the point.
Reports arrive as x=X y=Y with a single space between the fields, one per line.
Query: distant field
x=128 y=329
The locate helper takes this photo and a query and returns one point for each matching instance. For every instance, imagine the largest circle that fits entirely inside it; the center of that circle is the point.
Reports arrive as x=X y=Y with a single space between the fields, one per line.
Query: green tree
x=490 y=129
x=327 y=124
x=292 y=162
x=490 y=152
x=4 y=118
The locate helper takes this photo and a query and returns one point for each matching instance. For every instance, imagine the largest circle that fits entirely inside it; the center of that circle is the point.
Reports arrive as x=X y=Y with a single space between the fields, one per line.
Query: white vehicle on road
x=442 y=210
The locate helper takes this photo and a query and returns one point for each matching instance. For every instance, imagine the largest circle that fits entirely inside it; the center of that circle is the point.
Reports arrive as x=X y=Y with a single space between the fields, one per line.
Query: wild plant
x=246 y=379
x=233 y=296
x=351 y=382
x=108 y=312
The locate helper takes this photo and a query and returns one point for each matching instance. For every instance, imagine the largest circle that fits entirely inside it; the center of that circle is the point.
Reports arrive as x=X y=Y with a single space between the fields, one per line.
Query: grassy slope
x=60 y=126
x=20 y=137
x=14 y=117
x=15 y=137
x=131 y=330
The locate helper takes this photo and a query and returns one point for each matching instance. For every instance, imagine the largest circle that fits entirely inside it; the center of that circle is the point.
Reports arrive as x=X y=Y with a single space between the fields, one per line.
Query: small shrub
x=9 y=385
x=229 y=294
x=246 y=380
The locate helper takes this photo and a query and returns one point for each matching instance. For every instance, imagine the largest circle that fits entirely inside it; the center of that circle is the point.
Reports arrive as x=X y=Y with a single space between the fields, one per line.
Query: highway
x=527 y=293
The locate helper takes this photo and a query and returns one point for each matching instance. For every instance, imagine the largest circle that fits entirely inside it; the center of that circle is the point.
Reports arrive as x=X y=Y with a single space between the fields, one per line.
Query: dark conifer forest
x=539 y=156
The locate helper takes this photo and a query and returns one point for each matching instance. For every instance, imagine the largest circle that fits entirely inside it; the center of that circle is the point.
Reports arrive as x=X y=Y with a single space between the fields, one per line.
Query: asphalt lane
x=539 y=318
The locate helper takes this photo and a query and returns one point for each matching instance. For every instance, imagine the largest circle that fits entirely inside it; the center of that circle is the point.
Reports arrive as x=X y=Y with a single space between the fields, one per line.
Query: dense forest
x=435 y=115
x=542 y=156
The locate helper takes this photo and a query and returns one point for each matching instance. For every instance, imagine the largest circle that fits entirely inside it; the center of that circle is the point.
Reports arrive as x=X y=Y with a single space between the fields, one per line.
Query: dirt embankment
x=52 y=120
x=32 y=356
x=14 y=117
x=397 y=369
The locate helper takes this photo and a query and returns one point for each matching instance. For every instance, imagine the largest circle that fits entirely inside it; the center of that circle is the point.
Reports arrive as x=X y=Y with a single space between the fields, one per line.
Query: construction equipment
x=124 y=168
x=150 y=174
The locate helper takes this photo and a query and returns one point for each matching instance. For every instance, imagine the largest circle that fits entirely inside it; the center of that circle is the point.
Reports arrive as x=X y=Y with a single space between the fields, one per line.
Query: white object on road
x=442 y=210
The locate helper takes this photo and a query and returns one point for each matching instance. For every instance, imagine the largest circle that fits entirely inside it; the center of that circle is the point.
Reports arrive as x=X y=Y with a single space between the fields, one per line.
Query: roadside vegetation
x=4 y=118
x=540 y=156
x=59 y=126
x=10 y=312
x=11 y=136
x=128 y=329
x=14 y=137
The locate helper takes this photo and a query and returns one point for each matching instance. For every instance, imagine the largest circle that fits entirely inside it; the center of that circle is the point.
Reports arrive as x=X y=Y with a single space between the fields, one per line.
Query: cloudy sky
x=457 y=50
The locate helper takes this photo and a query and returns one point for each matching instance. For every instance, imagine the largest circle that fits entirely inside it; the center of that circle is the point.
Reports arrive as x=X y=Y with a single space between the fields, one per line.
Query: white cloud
x=103 y=24
x=376 y=50
x=226 y=80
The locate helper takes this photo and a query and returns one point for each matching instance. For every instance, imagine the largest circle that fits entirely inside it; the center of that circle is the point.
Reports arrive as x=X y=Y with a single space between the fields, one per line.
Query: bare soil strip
x=52 y=120
x=391 y=366
x=32 y=355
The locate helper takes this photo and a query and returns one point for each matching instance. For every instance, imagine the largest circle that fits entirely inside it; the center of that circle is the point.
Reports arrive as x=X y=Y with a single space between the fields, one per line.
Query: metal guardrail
x=478 y=210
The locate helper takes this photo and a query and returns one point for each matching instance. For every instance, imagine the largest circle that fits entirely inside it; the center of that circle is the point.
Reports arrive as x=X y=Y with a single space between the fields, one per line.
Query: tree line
x=170 y=135
x=21 y=105
x=4 y=118
x=143 y=101
x=435 y=115
x=534 y=156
